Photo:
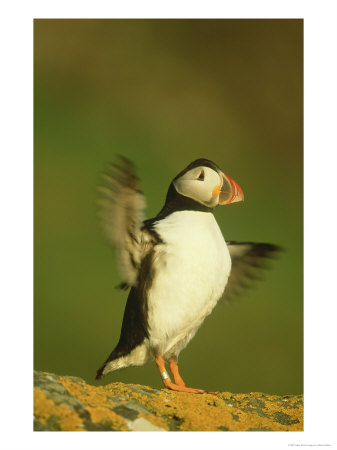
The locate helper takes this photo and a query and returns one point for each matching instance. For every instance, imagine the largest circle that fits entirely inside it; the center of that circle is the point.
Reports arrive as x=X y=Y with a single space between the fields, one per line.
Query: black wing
x=248 y=258
x=121 y=207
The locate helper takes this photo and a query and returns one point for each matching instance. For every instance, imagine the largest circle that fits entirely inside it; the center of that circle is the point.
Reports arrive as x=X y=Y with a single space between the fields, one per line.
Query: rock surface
x=63 y=403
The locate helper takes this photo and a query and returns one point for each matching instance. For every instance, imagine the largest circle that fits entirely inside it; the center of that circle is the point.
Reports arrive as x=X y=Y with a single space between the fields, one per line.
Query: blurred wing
x=121 y=206
x=248 y=258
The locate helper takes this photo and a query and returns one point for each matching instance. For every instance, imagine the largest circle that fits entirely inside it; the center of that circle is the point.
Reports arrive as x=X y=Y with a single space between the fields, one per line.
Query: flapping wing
x=121 y=207
x=248 y=258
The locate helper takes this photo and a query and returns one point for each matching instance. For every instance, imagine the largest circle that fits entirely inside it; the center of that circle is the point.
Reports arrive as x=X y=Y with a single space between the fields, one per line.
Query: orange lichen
x=44 y=409
x=206 y=412
x=172 y=410
x=91 y=395
x=105 y=415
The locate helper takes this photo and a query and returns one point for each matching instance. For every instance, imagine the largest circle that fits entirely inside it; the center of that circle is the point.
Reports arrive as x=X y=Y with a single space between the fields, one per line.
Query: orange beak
x=229 y=191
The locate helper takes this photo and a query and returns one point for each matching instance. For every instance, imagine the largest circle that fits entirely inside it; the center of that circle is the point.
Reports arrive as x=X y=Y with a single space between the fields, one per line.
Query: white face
x=201 y=185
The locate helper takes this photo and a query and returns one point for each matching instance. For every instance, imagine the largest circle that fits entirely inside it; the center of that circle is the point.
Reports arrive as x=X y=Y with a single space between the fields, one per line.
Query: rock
x=63 y=403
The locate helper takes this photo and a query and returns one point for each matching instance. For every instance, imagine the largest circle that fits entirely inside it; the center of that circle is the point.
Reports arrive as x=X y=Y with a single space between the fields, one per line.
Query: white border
x=320 y=220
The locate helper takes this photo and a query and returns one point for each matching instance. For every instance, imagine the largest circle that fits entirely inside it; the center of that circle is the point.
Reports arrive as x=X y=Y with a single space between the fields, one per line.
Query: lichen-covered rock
x=69 y=404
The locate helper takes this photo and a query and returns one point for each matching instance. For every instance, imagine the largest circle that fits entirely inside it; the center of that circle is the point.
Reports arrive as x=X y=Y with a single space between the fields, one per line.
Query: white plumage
x=192 y=268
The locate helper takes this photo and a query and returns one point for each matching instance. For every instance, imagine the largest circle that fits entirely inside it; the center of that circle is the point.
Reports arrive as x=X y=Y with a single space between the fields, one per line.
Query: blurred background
x=163 y=93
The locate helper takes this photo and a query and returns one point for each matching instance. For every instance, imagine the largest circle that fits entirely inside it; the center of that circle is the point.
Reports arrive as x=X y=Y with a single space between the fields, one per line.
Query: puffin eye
x=201 y=176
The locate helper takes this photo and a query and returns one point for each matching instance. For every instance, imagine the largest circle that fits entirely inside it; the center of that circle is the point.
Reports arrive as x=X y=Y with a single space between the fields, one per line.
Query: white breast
x=192 y=269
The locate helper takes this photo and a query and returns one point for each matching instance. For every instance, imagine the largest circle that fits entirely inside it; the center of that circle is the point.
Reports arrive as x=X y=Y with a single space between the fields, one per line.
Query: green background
x=163 y=93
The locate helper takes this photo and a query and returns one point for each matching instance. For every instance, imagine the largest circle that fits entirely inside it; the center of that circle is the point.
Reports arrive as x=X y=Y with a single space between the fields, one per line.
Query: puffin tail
x=100 y=371
x=120 y=359
x=114 y=362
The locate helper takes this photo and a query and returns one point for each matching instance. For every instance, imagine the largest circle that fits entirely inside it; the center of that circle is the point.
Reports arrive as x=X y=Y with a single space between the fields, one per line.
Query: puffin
x=177 y=266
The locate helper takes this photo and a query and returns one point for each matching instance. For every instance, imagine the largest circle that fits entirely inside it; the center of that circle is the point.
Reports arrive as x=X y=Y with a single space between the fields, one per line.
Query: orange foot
x=175 y=387
x=179 y=384
x=175 y=372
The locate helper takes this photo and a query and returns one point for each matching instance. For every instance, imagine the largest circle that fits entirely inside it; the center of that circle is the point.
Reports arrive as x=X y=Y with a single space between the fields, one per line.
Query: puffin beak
x=229 y=192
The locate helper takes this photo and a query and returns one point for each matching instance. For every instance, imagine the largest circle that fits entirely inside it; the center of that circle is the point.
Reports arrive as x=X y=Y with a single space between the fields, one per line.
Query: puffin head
x=205 y=183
